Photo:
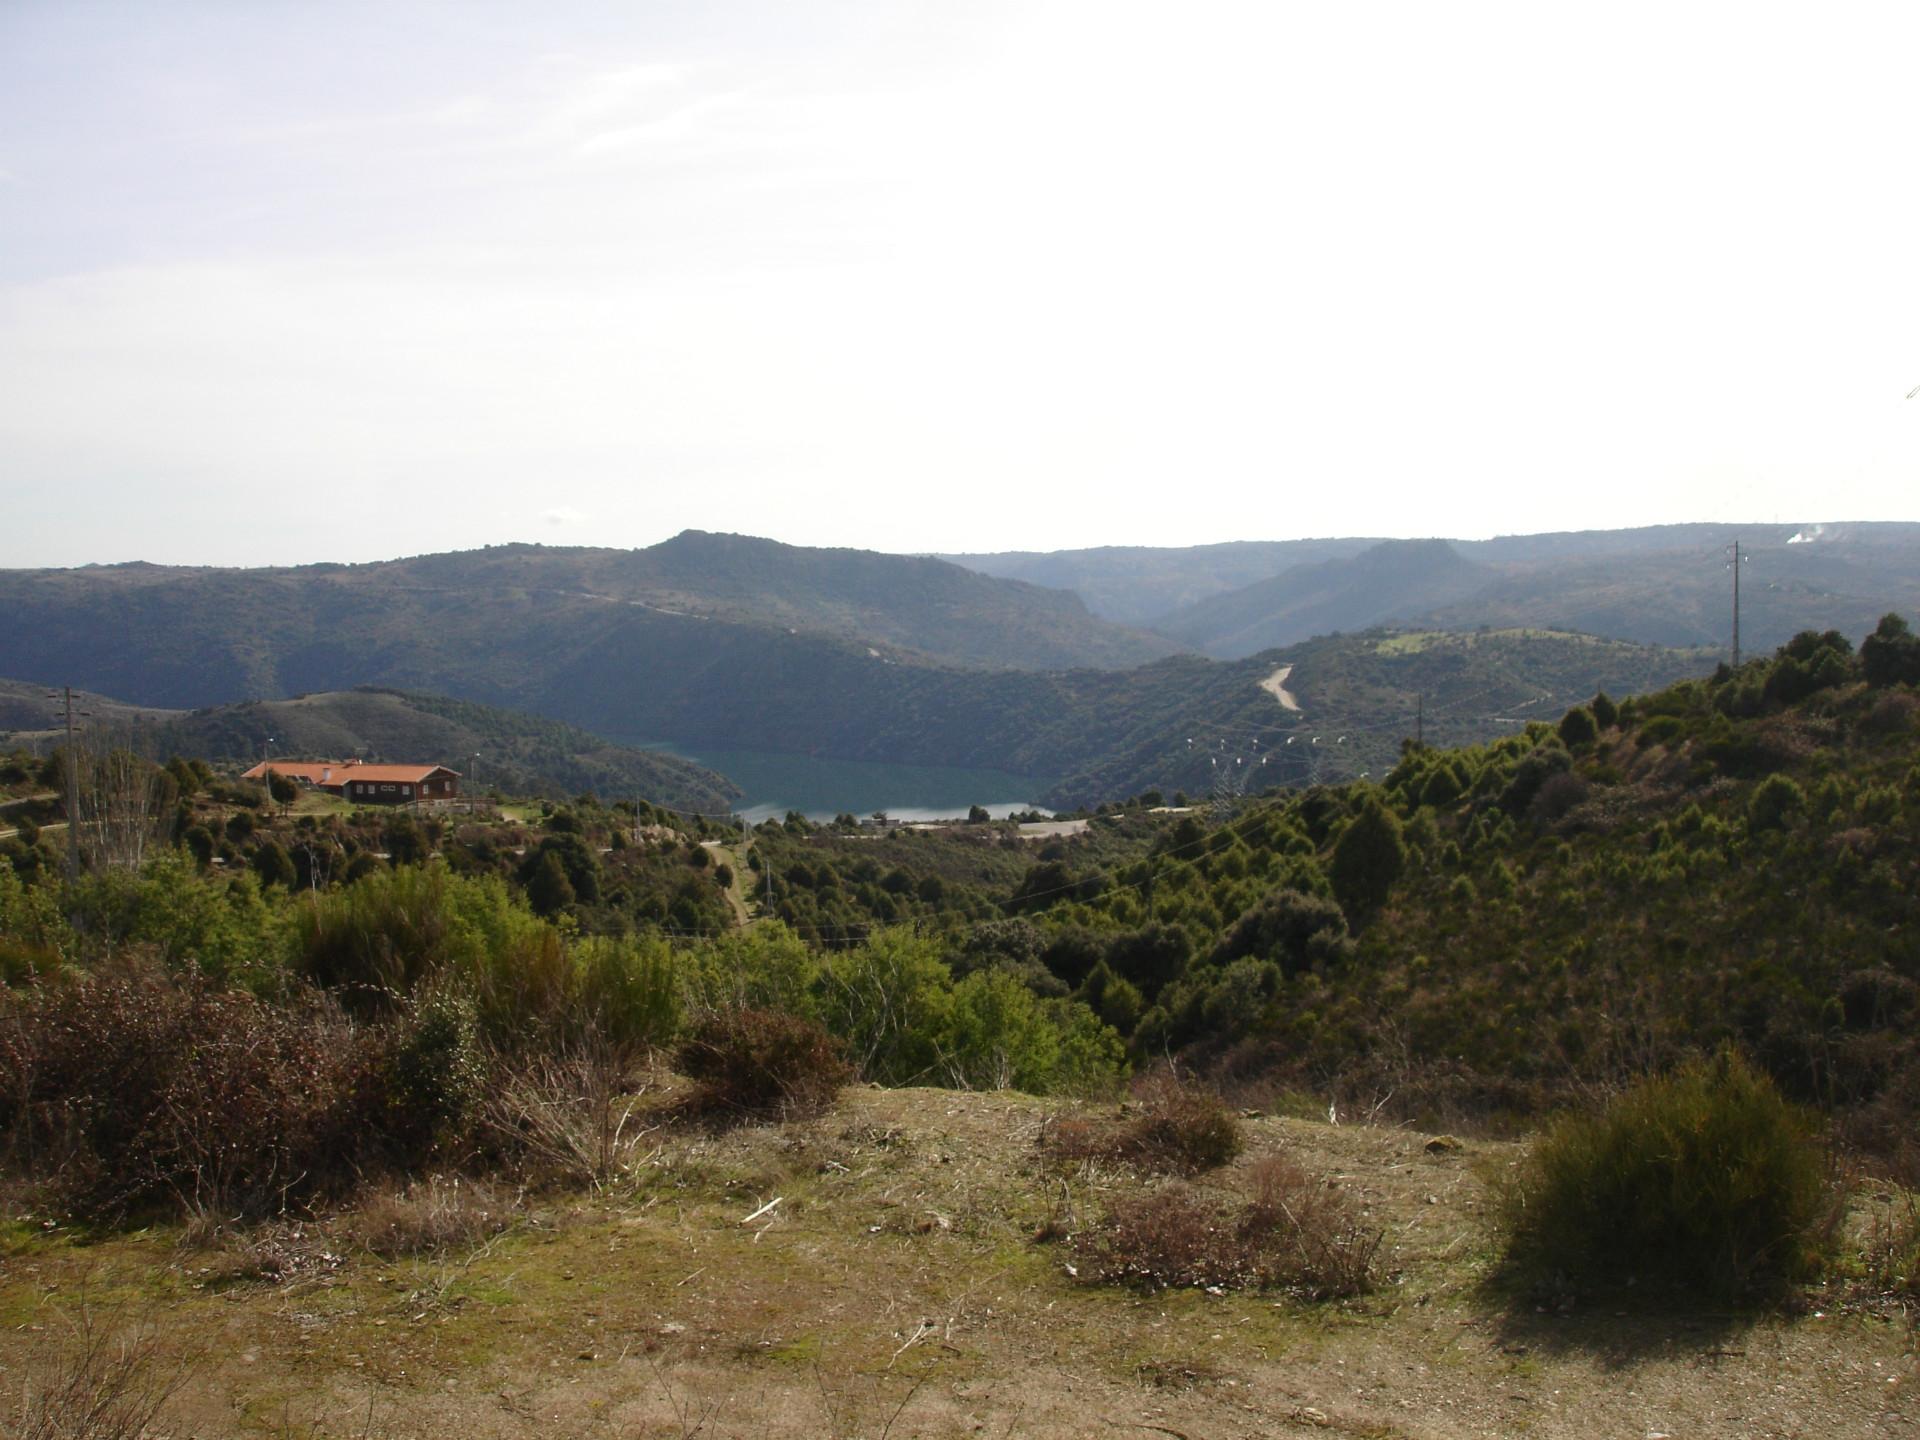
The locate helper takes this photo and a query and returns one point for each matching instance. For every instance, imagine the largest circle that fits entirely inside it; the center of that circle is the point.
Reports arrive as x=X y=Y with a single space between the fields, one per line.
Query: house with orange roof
x=367 y=784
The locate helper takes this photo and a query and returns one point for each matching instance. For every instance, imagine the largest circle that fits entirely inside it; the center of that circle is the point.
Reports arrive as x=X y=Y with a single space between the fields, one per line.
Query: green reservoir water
x=820 y=788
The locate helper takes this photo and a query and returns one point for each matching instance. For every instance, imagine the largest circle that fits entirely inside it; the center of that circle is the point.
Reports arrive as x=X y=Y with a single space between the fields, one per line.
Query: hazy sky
x=286 y=282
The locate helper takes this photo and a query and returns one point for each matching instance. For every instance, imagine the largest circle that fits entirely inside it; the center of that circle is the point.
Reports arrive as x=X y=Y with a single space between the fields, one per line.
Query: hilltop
x=473 y=622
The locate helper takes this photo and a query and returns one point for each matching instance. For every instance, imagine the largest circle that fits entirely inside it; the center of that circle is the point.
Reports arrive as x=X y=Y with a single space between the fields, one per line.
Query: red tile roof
x=393 y=774
x=314 y=772
x=338 y=772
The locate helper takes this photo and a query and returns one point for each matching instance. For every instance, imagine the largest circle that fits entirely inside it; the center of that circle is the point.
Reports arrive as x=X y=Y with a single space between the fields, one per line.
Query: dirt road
x=1276 y=686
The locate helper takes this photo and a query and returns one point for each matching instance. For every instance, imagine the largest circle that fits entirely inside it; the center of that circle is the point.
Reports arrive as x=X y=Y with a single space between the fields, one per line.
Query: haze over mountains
x=731 y=643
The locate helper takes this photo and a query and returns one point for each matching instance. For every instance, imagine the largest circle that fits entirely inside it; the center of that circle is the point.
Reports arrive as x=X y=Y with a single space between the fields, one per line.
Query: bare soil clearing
x=896 y=1289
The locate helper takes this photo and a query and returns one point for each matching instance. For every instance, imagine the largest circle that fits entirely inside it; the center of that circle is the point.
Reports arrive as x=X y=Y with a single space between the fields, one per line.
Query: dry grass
x=113 y=1380
x=431 y=1217
x=654 y=1305
x=570 y=1118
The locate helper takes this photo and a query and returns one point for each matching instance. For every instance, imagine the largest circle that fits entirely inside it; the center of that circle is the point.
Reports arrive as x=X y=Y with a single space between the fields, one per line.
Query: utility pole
x=1420 y=720
x=72 y=767
x=1736 y=604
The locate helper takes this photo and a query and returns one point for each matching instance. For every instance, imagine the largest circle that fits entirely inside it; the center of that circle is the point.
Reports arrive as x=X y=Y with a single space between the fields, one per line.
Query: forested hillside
x=1729 y=859
x=474 y=622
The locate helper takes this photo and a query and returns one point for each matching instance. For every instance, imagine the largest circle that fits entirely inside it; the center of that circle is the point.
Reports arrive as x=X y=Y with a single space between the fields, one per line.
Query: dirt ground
x=874 y=1273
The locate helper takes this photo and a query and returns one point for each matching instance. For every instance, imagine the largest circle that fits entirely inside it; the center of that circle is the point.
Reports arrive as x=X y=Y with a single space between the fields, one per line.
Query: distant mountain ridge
x=1391 y=580
x=276 y=631
x=1664 y=584
x=1141 y=584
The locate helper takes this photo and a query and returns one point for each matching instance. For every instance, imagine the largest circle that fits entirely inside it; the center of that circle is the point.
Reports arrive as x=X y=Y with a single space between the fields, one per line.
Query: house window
x=406 y=790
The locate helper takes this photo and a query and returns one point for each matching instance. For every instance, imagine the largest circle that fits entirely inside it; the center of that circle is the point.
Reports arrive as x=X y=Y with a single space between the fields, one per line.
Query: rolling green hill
x=475 y=623
x=499 y=749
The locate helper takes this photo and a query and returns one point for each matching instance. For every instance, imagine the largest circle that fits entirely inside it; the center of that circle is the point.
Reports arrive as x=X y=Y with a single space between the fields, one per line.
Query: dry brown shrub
x=566 y=1117
x=761 y=1064
x=132 y=1088
x=1310 y=1231
x=1178 y=1128
x=1294 y=1233
x=431 y=1216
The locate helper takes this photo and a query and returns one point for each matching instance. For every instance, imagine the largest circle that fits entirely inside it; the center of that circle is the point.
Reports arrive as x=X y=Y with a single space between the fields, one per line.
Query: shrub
x=1182 y=1128
x=433 y=1074
x=373 y=941
x=762 y=1063
x=131 y=1089
x=1294 y=1233
x=1661 y=730
x=1367 y=859
x=1775 y=800
x=565 y=1115
x=1306 y=1234
x=1891 y=655
x=1578 y=727
x=890 y=1000
x=1705 y=1179
x=1298 y=932
x=429 y=1217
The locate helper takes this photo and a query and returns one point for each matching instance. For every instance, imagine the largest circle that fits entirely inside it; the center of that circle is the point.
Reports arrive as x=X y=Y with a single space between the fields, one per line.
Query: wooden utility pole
x=71 y=764
x=1736 y=604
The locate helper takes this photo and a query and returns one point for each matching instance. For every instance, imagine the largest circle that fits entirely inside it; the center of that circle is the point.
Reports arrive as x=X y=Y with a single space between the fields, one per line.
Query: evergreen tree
x=549 y=891
x=1367 y=859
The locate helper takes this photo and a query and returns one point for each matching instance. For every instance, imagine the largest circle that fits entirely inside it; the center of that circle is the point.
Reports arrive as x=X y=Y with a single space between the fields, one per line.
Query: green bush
x=433 y=1075
x=1703 y=1180
x=1776 y=800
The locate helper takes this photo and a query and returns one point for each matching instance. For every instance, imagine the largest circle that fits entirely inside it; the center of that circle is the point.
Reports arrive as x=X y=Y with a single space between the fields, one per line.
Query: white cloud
x=564 y=515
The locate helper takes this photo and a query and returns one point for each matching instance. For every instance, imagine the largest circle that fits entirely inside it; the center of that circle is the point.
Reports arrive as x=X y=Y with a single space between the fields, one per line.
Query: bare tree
x=118 y=796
